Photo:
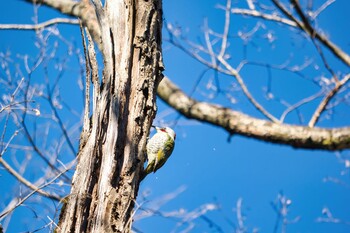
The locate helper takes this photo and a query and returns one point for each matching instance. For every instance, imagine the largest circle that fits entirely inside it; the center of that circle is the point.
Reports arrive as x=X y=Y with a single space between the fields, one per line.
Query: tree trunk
x=111 y=156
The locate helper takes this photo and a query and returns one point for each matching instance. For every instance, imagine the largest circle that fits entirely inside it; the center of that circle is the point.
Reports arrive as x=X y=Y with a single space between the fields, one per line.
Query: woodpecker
x=159 y=148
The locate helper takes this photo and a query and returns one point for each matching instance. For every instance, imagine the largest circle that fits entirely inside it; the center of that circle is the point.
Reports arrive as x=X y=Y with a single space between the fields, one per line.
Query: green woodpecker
x=159 y=148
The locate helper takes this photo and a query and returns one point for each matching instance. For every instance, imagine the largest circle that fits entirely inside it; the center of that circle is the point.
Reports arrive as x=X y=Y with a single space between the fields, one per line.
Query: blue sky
x=209 y=168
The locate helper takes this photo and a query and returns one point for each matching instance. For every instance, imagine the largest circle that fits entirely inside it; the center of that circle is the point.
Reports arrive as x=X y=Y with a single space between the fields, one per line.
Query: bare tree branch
x=305 y=26
x=38 y=26
x=294 y=22
x=83 y=10
x=259 y=14
x=235 y=122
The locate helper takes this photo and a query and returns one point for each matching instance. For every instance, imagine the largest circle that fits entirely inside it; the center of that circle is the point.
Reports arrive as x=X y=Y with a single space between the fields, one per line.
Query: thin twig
x=9 y=106
x=251 y=4
x=321 y=107
x=26 y=182
x=3 y=214
x=37 y=150
x=300 y=103
x=239 y=216
x=54 y=108
x=209 y=44
x=38 y=26
x=315 y=14
x=246 y=91
x=226 y=29
x=61 y=125
x=3 y=150
x=324 y=60
x=259 y=14
x=192 y=53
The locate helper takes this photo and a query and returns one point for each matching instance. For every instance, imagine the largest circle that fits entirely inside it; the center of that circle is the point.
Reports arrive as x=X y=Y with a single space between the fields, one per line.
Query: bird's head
x=167 y=130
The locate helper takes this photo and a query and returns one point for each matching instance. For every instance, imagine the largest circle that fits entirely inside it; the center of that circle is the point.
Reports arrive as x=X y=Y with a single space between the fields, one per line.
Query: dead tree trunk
x=111 y=157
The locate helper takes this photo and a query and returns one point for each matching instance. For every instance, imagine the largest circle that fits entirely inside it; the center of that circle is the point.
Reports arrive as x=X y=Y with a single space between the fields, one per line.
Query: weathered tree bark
x=111 y=156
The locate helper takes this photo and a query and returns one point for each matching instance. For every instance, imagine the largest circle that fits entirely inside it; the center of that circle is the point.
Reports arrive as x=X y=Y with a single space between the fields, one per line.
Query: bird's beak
x=157 y=128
